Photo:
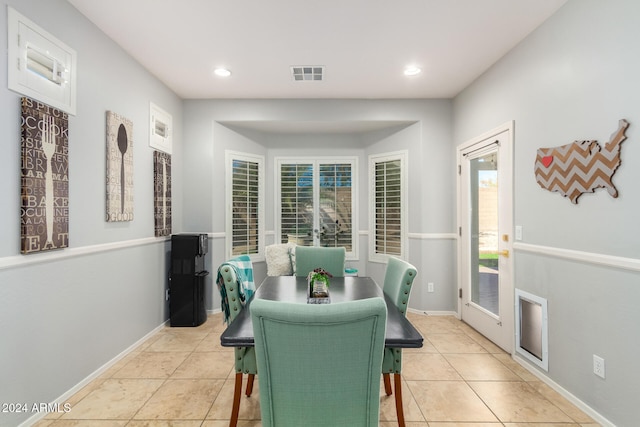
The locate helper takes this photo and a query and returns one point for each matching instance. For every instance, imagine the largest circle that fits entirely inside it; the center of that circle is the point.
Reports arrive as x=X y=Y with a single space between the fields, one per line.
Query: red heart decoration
x=546 y=161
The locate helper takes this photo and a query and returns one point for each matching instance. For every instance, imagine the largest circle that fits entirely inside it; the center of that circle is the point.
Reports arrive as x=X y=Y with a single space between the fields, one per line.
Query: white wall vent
x=307 y=73
x=40 y=66
x=532 y=337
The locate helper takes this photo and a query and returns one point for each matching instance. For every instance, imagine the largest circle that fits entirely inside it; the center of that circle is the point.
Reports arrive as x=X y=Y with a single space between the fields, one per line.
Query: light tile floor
x=182 y=377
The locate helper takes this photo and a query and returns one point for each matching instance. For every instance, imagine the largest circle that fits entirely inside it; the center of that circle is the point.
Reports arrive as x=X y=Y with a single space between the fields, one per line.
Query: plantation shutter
x=296 y=203
x=335 y=205
x=316 y=202
x=388 y=207
x=245 y=207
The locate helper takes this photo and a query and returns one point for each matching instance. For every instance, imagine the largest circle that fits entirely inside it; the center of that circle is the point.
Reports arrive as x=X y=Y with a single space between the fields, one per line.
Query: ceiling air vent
x=307 y=73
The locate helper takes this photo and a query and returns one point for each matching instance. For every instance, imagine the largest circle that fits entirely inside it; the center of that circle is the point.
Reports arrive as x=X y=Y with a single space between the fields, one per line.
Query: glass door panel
x=485 y=271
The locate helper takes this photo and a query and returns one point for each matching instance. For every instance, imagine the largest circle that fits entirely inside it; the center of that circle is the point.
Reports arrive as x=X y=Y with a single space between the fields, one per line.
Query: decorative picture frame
x=162 y=193
x=119 y=179
x=582 y=166
x=44 y=177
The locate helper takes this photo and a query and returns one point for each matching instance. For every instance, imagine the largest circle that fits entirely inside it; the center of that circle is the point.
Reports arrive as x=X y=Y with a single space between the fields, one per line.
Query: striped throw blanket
x=243 y=268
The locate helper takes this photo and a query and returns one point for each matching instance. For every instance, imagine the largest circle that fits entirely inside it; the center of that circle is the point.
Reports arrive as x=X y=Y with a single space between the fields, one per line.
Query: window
x=45 y=68
x=316 y=202
x=388 y=210
x=245 y=221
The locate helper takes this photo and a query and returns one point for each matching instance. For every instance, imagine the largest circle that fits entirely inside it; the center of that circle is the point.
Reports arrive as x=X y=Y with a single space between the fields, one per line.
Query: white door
x=485 y=219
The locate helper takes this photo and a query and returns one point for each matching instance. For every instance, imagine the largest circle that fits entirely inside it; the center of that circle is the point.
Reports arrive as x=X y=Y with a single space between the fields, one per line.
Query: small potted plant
x=319 y=283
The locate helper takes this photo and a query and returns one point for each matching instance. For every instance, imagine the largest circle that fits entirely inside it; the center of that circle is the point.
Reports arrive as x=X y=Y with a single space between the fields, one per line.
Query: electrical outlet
x=598 y=366
x=430 y=287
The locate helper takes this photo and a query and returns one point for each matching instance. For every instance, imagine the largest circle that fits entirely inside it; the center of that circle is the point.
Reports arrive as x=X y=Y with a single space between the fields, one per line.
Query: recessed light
x=222 y=72
x=412 y=71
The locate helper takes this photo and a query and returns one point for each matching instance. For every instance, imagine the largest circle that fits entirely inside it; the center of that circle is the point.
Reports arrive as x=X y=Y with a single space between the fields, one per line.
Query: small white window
x=161 y=129
x=40 y=66
x=388 y=211
x=245 y=201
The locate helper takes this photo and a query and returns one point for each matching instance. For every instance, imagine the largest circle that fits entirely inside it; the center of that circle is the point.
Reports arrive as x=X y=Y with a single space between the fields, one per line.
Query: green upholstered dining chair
x=398 y=279
x=245 y=357
x=308 y=258
x=319 y=363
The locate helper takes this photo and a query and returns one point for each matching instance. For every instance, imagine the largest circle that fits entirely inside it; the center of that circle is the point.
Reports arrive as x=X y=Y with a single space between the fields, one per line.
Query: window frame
x=316 y=163
x=375 y=159
x=230 y=157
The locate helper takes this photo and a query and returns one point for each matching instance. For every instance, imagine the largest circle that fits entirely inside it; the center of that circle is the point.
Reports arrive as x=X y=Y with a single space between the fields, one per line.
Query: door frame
x=505 y=199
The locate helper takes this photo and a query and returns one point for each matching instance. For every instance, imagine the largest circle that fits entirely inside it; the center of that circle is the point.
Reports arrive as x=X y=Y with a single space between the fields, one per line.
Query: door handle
x=504 y=253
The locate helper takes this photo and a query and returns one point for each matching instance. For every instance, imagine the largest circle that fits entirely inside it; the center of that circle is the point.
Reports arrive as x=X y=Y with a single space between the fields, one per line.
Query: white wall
x=426 y=135
x=65 y=314
x=573 y=79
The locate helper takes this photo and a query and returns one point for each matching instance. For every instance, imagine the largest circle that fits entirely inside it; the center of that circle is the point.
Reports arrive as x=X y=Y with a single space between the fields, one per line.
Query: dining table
x=400 y=333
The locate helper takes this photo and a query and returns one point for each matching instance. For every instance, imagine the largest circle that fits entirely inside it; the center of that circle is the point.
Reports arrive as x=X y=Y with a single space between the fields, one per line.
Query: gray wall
x=425 y=134
x=574 y=78
x=62 y=316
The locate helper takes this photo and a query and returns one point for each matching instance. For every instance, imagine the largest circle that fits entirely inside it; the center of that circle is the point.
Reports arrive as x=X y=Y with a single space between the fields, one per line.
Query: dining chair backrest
x=398 y=279
x=320 y=365
x=229 y=285
x=308 y=258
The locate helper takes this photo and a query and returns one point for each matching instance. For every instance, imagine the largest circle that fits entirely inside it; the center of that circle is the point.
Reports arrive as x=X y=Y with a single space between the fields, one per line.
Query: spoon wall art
x=119 y=180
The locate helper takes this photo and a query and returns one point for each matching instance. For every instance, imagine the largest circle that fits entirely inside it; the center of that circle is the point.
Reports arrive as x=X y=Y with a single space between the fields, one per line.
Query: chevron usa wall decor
x=580 y=167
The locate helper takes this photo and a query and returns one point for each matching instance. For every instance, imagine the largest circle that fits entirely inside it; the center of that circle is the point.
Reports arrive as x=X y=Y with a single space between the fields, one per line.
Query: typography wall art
x=119 y=168
x=44 y=177
x=162 y=193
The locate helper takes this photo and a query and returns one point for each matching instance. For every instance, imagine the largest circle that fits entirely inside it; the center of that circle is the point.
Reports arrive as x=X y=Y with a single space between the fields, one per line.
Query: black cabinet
x=187 y=281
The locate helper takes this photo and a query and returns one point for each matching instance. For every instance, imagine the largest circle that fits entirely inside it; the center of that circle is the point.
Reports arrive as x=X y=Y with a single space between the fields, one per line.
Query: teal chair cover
x=230 y=287
x=319 y=364
x=398 y=279
x=308 y=258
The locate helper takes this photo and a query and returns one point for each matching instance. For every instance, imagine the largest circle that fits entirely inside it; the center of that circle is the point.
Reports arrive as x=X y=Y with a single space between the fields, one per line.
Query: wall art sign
x=44 y=177
x=162 y=193
x=580 y=167
x=119 y=168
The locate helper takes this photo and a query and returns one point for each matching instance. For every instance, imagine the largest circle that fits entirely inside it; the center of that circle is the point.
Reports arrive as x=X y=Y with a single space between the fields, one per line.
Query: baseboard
x=65 y=396
x=564 y=393
x=433 y=312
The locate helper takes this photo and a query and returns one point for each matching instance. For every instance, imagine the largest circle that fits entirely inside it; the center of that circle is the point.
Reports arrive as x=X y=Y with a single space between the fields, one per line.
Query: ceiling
x=364 y=45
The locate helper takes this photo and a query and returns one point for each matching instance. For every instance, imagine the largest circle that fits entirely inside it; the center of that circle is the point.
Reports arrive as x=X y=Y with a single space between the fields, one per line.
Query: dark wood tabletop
x=400 y=332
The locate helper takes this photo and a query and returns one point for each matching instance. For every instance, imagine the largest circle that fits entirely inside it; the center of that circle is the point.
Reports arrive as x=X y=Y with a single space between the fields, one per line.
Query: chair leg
x=397 y=382
x=387 y=384
x=235 y=409
x=250 y=379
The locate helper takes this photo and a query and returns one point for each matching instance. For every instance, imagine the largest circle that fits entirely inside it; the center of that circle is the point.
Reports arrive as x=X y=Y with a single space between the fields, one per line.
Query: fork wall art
x=162 y=193
x=44 y=177
x=119 y=168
